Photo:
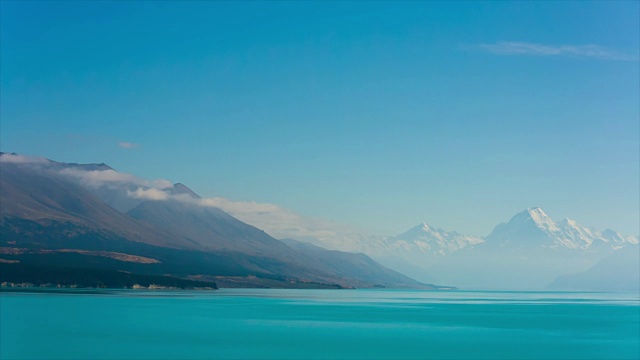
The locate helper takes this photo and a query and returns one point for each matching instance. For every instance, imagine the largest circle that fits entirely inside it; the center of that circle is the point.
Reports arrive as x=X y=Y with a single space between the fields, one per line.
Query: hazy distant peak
x=180 y=188
x=536 y=213
x=533 y=227
x=431 y=240
x=610 y=235
x=88 y=167
x=538 y=217
x=420 y=228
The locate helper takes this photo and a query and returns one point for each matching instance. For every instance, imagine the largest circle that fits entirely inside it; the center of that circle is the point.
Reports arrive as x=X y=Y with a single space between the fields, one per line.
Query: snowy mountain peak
x=533 y=227
x=416 y=231
x=181 y=189
x=422 y=227
x=538 y=217
x=427 y=239
x=615 y=238
x=538 y=214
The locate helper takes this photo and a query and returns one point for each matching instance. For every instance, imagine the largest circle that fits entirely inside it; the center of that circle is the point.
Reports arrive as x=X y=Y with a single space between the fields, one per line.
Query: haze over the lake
x=375 y=115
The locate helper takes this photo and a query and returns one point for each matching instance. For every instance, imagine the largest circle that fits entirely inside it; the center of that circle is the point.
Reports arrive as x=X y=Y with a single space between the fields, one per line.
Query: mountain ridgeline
x=530 y=251
x=89 y=225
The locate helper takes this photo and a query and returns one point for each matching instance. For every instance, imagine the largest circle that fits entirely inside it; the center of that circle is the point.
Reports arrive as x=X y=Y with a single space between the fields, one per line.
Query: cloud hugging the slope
x=148 y=194
x=275 y=220
x=22 y=159
x=283 y=223
x=526 y=48
x=97 y=178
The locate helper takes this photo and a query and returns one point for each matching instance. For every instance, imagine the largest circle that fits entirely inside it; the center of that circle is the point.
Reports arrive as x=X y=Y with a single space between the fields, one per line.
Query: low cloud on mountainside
x=275 y=220
x=148 y=194
x=283 y=223
x=22 y=159
x=416 y=252
x=97 y=178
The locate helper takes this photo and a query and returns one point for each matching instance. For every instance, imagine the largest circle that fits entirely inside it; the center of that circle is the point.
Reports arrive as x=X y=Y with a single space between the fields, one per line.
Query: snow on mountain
x=430 y=240
x=616 y=238
x=527 y=230
x=534 y=228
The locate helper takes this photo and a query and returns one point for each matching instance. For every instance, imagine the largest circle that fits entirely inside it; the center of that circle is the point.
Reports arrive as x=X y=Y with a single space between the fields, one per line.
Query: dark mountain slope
x=48 y=219
x=44 y=197
x=353 y=265
x=207 y=228
x=214 y=230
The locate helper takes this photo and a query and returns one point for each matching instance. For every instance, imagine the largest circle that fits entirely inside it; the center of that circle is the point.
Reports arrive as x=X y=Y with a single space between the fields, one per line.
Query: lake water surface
x=318 y=324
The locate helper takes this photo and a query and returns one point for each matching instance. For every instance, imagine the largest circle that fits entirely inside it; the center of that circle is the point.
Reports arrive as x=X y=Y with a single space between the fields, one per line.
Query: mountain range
x=73 y=219
x=77 y=219
x=530 y=251
x=534 y=228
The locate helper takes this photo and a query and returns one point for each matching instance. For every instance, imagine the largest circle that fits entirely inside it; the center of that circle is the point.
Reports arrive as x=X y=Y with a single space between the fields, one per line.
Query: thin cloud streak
x=148 y=194
x=98 y=178
x=128 y=145
x=277 y=221
x=584 y=51
x=280 y=222
x=22 y=159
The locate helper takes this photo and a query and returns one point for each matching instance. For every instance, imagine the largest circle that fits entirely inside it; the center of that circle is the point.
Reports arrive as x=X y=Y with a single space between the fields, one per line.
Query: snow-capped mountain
x=417 y=243
x=534 y=228
x=529 y=251
x=416 y=250
x=431 y=240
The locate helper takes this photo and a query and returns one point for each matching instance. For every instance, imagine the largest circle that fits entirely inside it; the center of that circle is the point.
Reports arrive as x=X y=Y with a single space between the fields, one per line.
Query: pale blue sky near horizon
x=377 y=114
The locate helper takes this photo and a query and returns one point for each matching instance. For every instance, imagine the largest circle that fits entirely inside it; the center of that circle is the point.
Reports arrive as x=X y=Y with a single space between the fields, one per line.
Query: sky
x=379 y=115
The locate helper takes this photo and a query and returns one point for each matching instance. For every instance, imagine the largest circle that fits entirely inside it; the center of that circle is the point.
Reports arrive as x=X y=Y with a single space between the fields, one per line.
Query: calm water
x=305 y=324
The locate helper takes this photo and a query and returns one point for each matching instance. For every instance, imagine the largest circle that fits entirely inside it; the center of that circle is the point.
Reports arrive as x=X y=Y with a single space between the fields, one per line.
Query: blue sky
x=380 y=115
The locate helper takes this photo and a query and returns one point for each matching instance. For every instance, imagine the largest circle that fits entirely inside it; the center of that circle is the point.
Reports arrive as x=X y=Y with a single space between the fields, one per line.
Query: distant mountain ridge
x=529 y=250
x=533 y=227
x=619 y=271
x=436 y=240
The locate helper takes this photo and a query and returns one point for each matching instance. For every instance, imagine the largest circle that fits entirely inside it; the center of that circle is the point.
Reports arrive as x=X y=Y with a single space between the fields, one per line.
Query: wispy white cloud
x=277 y=221
x=98 y=178
x=127 y=145
x=148 y=194
x=22 y=159
x=526 y=48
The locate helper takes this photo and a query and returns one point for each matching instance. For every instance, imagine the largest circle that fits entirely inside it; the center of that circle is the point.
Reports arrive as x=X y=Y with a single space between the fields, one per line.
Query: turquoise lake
x=318 y=324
